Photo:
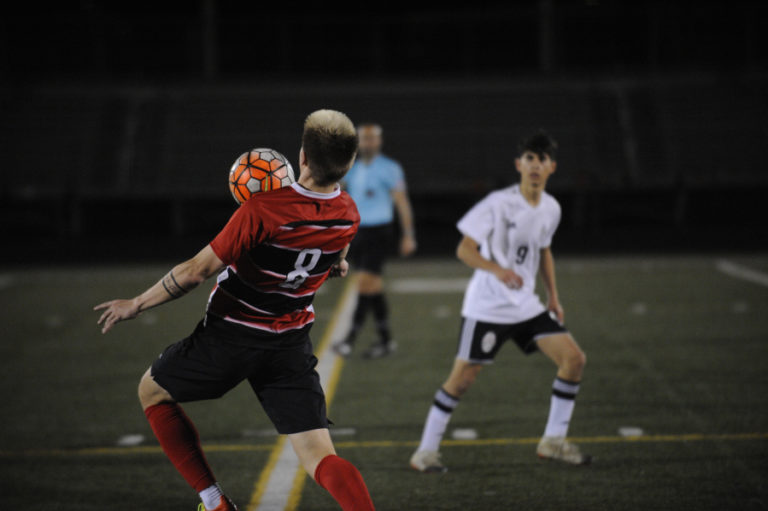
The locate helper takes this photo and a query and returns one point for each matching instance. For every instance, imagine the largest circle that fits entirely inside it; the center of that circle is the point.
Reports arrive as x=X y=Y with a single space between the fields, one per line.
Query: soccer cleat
x=428 y=462
x=558 y=448
x=225 y=504
x=343 y=348
x=380 y=349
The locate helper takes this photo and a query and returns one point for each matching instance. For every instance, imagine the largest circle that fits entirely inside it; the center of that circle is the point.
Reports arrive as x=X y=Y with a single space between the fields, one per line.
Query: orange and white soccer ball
x=259 y=170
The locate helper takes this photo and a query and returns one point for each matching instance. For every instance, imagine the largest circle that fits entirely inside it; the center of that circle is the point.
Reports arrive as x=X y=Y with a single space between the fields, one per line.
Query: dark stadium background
x=120 y=121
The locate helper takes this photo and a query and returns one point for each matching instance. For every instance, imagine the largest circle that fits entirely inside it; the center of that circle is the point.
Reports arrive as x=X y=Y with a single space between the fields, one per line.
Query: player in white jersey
x=506 y=239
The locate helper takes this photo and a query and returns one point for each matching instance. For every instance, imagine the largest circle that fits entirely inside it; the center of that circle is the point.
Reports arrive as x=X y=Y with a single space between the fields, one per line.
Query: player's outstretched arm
x=468 y=252
x=547 y=271
x=176 y=283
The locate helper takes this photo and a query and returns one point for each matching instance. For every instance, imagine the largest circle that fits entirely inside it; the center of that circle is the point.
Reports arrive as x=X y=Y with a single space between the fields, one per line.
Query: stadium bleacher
x=85 y=155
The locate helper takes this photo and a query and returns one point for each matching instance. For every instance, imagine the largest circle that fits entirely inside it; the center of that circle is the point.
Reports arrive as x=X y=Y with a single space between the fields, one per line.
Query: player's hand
x=114 y=312
x=511 y=279
x=554 y=306
x=407 y=246
x=340 y=269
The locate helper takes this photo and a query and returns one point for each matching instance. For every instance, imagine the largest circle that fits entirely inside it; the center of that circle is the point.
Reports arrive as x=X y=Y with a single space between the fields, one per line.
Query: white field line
x=739 y=271
x=275 y=496
x=427 y=285
x=459 y=285
x=281 y=480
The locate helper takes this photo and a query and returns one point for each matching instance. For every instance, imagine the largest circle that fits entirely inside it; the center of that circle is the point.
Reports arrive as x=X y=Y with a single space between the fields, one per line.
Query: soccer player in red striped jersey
x=272 y=256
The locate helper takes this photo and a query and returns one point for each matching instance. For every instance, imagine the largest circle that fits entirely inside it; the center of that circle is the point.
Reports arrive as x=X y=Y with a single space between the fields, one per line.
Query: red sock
x=179 y=439
x=344 y=482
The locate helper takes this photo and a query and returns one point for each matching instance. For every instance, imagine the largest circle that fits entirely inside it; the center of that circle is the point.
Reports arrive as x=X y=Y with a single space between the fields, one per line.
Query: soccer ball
x=259 y=170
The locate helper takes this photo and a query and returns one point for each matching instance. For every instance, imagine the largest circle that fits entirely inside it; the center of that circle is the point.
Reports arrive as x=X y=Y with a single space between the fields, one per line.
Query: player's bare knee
x=145 y=394
x=574 y=363
x=150 y=393
x=579 y=359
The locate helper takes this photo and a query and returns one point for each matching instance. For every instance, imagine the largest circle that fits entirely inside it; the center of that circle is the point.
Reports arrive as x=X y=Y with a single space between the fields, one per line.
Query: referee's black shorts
x=371 y=248
x=212 y=361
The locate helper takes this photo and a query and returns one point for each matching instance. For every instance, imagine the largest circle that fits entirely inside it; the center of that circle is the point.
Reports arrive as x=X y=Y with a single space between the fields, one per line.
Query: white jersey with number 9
x=511 y=232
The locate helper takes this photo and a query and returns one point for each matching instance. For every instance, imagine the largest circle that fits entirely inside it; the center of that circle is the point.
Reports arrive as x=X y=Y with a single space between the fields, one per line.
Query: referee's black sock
x=381 y=315
x=358 y=318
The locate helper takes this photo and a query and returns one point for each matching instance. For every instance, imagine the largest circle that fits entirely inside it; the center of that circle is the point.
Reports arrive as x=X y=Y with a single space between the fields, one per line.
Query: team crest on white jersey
x=488 y=342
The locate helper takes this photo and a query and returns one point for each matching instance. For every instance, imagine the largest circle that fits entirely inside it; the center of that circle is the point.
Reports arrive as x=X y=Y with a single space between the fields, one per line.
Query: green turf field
x=676 y=347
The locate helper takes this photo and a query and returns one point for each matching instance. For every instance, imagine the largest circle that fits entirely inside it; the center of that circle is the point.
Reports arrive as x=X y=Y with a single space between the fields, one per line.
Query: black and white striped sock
x=561 y=407
x=437 y=420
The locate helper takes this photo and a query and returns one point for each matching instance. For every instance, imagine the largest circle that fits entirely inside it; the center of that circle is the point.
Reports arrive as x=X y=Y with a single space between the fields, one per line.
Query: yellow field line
x=301 y=478
x=261 y=483
x=323 y=349
x=330 y=388
x=373 y=444
x=116 y=451
x=691 y=437
x=294 y=498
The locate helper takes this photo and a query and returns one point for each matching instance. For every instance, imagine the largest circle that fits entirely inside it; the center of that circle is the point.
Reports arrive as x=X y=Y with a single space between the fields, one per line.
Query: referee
x=376 y=183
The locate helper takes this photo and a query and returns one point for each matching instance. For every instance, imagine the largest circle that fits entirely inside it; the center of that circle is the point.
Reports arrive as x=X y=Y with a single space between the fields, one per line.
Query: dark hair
x=540 y=143
x=330 y=144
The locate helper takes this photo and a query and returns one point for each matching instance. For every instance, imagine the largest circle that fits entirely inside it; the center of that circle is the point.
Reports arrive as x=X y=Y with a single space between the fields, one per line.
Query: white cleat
x=428 y=462
x=558 y=448
x=342 y=348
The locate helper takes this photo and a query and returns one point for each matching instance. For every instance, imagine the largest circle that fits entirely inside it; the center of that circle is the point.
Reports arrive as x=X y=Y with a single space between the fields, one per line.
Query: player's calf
x=345 y=484
x=463 y=375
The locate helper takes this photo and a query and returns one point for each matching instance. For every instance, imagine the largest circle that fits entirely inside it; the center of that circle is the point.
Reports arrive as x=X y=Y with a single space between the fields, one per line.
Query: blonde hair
x=329 y=120
x=330 y=143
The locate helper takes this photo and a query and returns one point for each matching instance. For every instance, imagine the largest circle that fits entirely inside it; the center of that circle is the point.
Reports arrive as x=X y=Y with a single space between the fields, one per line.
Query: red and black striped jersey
x=279 y=247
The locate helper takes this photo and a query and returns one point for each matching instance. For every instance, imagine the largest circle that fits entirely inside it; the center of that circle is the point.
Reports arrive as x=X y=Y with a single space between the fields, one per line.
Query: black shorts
x=371 y=248
x=206 y=365
x=479 y=342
